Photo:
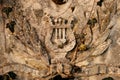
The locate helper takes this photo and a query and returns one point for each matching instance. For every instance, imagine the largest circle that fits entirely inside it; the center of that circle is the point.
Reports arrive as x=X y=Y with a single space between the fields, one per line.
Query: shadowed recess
x=108 y=78
x=59 y=2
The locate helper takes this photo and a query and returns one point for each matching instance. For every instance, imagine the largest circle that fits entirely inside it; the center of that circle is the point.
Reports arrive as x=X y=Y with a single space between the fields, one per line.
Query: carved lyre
x=60 y=38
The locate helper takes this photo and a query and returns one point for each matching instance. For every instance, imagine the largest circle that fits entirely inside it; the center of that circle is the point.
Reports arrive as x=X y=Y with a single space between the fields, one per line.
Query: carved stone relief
x=60 y=38
x=74 y=39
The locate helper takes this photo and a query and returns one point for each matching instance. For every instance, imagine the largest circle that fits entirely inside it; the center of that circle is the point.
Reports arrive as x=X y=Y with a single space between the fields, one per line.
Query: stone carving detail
x=40 y=39
x=60 y=38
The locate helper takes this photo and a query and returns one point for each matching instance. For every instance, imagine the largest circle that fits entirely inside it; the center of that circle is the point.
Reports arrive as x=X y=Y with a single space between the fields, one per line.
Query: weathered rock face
x=40 y=39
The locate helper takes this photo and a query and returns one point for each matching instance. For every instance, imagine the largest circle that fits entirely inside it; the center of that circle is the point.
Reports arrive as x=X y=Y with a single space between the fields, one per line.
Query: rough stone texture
x=102 y=69
x=40 y=39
